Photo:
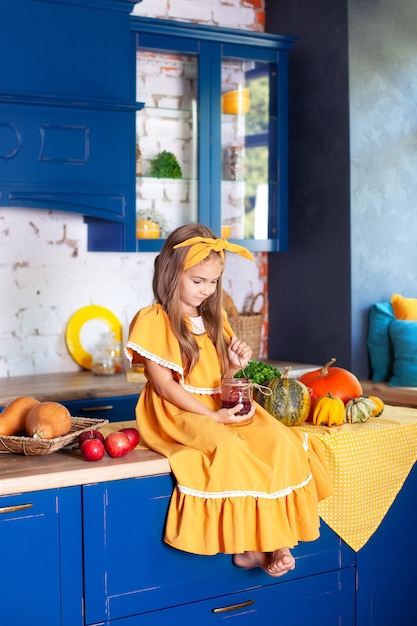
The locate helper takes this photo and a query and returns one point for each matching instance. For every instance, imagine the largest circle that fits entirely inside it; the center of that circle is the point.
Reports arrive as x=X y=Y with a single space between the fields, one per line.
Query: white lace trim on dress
x=213 y=495
x=202 y=390
x=155 y=359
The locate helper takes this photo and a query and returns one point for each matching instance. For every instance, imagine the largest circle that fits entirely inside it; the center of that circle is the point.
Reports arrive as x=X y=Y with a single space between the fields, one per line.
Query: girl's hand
x=228 y=416
x=239 y=353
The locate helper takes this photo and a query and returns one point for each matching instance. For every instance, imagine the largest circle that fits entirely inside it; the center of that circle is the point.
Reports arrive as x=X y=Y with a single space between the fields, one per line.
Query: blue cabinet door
x=41 y=555
x=387 y=579
x=67 y=132
x=114 y=409
x=129 y=570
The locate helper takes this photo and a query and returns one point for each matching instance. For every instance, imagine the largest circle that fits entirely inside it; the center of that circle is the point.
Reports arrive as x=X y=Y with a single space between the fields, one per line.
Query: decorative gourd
x=359 y=409
x=289 y=401
x=329 y=410
x=379 y=404
x=13 y=416
x=48 y=420
x=335 y=380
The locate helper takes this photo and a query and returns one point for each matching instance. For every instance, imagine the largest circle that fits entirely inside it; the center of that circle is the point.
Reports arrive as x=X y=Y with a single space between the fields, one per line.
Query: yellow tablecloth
x=368 y=463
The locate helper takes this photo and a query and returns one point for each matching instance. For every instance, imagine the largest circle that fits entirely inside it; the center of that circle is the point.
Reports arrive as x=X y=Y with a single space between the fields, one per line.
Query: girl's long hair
x=168 y=269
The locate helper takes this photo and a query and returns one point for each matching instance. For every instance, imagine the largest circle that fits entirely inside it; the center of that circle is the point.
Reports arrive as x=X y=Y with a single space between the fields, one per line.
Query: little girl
x=245 y=485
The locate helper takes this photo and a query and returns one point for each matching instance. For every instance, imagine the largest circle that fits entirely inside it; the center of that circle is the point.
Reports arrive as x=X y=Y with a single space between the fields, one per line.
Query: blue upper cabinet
x=97 y=107
x=72 y=50
x=211 y=132
x=67 y=111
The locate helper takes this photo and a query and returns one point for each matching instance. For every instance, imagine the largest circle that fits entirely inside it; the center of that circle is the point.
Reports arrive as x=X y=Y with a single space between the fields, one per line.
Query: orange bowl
x=146 y=229
x=236 y=102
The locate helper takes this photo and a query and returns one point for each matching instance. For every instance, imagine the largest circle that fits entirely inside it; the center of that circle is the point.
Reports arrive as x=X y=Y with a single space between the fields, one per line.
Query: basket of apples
x=94 y=445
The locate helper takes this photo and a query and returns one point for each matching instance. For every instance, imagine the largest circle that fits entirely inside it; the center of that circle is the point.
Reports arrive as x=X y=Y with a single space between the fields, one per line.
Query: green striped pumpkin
x=289 y=401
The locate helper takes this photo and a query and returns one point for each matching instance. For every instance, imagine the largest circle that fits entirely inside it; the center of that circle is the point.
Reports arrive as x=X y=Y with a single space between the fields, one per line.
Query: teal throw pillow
x=403 y=335
x=378 y=341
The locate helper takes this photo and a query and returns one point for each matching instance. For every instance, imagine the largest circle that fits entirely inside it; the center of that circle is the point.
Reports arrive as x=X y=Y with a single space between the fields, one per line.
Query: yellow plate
x=85 y=329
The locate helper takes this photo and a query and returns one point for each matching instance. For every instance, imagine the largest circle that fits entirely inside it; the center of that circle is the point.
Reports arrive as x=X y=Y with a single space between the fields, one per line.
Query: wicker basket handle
x=254 y=300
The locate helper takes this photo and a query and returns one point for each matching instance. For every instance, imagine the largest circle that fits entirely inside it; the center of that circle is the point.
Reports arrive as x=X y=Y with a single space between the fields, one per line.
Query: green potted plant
x=165 y=165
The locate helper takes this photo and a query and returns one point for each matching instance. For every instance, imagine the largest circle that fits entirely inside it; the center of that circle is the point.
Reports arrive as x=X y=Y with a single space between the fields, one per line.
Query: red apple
x=132 y=435
x=117 y=444
x=90 y=434
x=92 y=449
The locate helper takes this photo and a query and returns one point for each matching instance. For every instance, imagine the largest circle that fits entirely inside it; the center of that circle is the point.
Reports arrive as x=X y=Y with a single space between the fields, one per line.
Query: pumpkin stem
x=325 y=369
x=286 y=370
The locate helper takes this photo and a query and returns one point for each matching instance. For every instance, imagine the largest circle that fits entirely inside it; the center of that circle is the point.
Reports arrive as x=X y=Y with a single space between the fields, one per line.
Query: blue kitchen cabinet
x=41 y=555
x=182 y=113
x=72 y=94
x=94 y=555
x=386 y=571
x=233 y=160
x=133 y=577
x=67 y=111
x=114 y=409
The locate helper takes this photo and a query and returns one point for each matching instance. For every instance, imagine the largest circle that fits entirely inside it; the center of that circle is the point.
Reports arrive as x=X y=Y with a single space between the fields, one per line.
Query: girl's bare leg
x=275 y=564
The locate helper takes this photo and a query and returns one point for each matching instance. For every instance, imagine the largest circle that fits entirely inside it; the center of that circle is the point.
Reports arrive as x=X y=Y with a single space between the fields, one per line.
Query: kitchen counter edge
x=67 y=468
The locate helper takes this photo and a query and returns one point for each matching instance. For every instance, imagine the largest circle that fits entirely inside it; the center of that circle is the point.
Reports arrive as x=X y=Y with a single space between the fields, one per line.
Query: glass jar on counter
x=107 y=358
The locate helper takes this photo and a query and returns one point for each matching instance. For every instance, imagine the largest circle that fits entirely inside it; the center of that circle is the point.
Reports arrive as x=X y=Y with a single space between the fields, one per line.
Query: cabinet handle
x=91 y=409
x=17 y=507
x=233 y=607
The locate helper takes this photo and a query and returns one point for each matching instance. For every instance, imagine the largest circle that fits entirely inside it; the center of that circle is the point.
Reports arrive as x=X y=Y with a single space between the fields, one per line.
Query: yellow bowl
x=146 y=229
x=236 y=102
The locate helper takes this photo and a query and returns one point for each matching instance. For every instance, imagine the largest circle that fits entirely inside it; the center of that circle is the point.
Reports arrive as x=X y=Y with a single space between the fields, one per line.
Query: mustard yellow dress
x=238 y=487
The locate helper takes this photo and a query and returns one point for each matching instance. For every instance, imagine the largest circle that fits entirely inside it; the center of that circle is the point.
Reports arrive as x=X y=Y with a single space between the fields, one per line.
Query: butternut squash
x=13 y=416
x=48 y=420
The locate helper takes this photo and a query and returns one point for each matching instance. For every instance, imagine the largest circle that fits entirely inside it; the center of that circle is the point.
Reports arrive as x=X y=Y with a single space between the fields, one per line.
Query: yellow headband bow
x=200 y=248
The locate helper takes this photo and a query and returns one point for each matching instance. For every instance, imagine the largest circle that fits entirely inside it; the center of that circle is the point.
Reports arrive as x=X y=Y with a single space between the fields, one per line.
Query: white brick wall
x=241 y=14
x=46 y=274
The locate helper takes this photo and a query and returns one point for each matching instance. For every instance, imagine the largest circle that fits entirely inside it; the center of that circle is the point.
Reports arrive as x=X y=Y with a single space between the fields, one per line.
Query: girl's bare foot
x=249 y=560
x=281 y=562
x=276 y=564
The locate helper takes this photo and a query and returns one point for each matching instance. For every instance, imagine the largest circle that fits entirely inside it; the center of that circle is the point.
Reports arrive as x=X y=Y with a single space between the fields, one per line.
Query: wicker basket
x=248 y=326
x=33 y=447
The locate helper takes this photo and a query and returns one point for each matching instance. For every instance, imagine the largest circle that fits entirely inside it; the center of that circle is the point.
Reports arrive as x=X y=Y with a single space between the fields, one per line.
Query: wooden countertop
x=68 y=386
x=398 y=396
x=67 y=468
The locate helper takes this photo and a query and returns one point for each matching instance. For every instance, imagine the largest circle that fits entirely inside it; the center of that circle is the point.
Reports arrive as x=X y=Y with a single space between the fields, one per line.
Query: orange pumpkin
x=335 y=380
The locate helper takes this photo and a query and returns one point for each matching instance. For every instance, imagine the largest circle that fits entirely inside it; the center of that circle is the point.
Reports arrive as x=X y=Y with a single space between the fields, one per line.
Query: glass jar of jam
x=237 y=391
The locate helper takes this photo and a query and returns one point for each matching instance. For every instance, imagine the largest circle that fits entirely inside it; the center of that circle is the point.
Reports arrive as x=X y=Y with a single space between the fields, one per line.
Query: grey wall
x=353 y=175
